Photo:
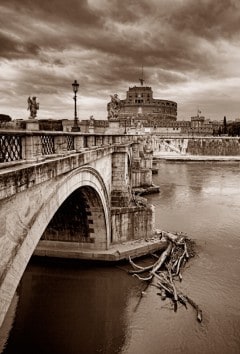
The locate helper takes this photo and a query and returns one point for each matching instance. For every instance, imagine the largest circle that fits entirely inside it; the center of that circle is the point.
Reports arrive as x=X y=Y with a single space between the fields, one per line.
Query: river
x=79 y=307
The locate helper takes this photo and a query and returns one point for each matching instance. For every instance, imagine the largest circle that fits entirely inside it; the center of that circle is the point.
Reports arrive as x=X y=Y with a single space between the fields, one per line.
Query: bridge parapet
x=36 y=145
x=30 y=158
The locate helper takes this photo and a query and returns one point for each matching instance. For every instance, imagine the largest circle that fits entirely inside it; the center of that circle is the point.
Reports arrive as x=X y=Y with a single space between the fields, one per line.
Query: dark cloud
x=62 y=12
x=186 y=47
x=12 y=48
x=207 y=19
x=146 y=41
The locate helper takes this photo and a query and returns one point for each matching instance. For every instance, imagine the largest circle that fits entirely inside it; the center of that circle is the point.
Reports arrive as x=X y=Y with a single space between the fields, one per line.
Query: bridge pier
x=121 y=183
x=131 y=218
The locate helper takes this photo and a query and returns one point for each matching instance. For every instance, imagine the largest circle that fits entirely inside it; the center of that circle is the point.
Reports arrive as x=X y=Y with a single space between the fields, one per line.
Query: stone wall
x=202 y=146
x=132 y=223
x=214 y=146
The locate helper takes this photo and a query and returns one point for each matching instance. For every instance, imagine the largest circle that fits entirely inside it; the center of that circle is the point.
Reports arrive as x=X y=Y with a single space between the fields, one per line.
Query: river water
x=75 y=307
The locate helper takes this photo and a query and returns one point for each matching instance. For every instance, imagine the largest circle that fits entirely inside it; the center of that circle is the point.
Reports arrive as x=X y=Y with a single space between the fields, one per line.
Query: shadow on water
x=71 y=307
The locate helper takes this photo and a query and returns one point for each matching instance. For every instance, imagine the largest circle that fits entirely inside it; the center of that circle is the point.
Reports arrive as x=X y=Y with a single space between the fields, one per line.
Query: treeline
x=4 y=118
x=233 y=129
x=228 y=128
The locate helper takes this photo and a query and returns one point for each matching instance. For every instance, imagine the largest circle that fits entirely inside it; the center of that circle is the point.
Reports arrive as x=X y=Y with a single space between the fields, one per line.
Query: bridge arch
x=81 y=212
x=86 y=179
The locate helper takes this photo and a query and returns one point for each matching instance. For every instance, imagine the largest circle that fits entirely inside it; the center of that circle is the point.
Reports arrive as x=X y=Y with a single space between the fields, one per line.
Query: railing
x=70 y=142
x=10 y=148
x=30 y=145
x=47 y=142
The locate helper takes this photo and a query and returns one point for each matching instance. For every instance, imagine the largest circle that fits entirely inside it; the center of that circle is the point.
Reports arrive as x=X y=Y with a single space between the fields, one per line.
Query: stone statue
x=91 y=123
x=138 y=124
x=114 y=107
x=148 y=145
x=33 y=106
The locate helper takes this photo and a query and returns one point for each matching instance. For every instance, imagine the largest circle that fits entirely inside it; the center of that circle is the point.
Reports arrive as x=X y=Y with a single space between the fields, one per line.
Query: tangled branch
x=168 y=268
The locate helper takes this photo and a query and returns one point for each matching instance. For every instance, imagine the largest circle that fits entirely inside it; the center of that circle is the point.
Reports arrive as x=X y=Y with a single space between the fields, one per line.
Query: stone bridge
x=69 y=195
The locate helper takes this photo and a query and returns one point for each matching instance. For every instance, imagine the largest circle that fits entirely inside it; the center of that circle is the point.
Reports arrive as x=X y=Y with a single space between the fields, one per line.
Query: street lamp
x=125 y=125
x=75 y=86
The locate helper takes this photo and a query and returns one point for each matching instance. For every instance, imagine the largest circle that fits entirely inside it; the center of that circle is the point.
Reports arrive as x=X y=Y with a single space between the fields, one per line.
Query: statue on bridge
x=91 y=125
x=148 y=145
x=33 y=106
x=91 y=121
x=114 y=107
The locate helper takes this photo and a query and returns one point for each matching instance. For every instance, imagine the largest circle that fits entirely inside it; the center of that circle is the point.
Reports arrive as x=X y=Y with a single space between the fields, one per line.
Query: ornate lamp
x=125 y=125
x=75 y=86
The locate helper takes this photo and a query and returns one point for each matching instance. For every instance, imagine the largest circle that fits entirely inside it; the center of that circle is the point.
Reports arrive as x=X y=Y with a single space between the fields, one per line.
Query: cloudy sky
x=189 y=50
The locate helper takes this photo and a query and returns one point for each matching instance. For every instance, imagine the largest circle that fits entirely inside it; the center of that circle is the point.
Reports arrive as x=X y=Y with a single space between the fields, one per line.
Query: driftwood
x=179 y=249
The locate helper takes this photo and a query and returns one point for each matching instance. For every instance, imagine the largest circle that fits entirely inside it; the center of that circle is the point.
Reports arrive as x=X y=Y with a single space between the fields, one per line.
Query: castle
x=141 y=106
x=140 y=110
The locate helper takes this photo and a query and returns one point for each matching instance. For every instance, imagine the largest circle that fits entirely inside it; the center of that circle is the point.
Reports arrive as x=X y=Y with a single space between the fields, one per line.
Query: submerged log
x=196 y=307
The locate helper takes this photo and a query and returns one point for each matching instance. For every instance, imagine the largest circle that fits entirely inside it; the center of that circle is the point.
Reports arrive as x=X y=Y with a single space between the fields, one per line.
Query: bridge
x=74 y=195
x=70 y=195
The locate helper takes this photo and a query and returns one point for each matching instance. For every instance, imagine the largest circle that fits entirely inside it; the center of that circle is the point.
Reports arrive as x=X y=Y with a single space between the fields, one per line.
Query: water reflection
x=71 y=308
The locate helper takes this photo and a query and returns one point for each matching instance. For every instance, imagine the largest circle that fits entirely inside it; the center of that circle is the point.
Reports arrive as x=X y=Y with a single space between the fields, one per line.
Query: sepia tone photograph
x=119 y=176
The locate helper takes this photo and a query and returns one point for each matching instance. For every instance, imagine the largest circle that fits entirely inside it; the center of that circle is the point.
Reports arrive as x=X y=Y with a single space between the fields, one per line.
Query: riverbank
x=200 y=158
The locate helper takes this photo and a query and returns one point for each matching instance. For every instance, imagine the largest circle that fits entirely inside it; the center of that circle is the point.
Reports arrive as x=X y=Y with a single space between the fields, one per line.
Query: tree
x=224 y=125
x=234 y=129
x=4 y=118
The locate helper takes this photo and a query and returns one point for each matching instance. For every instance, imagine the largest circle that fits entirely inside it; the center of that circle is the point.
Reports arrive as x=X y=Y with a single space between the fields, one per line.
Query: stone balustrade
x=37 y=145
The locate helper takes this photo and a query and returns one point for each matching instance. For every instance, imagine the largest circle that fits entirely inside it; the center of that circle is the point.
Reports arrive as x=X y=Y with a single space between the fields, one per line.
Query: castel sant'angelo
x=141 y=106
x=140 y=109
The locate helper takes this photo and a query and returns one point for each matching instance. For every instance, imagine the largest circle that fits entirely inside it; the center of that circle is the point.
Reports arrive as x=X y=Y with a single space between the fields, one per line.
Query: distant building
x=202 y=126
x=143 y=112
x=140 y=105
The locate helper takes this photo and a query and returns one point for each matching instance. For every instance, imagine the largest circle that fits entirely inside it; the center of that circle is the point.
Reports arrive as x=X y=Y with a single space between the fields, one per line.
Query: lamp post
x=125 y=125
x=75 y=86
